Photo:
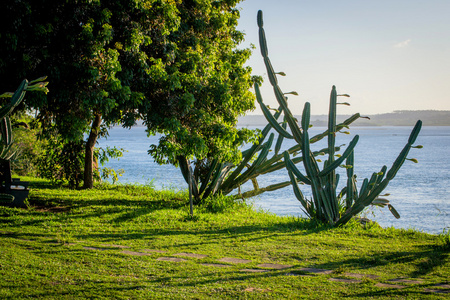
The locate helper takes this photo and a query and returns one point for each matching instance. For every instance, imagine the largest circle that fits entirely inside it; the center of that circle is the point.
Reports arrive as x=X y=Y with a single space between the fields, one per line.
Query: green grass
x=43 y=254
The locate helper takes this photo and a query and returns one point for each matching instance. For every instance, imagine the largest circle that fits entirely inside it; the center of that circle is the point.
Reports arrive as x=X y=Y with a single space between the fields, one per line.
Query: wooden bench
x=12 y=186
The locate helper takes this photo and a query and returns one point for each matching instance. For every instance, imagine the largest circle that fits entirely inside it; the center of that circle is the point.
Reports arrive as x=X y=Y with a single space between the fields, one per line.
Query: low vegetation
x=70 y=244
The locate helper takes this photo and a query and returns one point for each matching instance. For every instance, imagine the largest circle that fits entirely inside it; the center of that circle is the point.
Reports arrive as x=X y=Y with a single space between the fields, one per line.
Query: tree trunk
x=89 y=154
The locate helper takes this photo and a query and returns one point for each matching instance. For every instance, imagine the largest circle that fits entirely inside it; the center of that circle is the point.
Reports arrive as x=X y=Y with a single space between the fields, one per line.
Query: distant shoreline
x=396 y=118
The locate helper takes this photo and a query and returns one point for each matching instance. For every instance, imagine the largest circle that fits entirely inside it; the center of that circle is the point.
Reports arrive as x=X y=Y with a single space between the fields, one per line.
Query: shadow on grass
x=96 y=289
x=404 y=293
x=426 y=260
x=123 y=210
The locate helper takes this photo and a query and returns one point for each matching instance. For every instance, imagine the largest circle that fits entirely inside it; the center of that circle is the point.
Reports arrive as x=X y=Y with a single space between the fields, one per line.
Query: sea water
x=420 y=192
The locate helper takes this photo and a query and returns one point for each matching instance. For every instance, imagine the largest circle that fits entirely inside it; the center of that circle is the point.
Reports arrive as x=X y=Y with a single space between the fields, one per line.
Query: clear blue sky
x=388 y=55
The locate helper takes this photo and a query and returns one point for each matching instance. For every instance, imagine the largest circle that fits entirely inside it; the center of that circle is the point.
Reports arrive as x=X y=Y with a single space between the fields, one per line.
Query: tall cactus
x=225 y=178
x=326 y=203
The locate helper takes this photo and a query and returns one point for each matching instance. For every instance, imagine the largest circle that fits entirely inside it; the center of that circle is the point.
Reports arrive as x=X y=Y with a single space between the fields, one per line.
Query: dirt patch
x=390 y=286
x=193 y=255
x=135 y=253
x=216 y=265
x=316 y=271
x=54 y=209
x=274 y=266
x=345 y=280
x=405 y=280
x=254 y=270
x=235 y=260
x=252 y=289
x=174 y=259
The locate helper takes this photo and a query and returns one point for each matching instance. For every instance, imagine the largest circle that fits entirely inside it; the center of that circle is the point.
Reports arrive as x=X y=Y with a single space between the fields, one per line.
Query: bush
x=27 y=146
x=62 y=163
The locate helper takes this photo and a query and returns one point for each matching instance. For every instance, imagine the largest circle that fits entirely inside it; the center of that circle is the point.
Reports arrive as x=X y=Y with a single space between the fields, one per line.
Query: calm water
x=420 y=192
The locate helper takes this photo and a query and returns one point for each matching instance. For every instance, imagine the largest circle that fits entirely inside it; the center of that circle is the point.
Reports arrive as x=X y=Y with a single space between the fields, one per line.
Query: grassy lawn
x=114 y=242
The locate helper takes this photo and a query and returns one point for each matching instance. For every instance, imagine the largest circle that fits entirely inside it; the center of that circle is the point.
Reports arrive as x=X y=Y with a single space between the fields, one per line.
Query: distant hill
x=396 y=118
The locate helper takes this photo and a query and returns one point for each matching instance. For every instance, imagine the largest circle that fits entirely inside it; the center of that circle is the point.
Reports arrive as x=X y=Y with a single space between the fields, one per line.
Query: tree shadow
x=425 y=261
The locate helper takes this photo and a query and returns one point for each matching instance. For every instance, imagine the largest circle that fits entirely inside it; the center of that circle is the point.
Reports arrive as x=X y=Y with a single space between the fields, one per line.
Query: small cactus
x=6 y=140
x=5 y=122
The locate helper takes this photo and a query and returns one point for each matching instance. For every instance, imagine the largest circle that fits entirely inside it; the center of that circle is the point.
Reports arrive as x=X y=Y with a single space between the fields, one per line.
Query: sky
x=387 y=55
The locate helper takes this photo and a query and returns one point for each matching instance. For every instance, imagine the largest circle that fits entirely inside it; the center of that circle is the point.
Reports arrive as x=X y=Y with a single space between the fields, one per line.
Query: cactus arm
x=293 y=150
x=247 y=156
x=280 y=140
x=215 y=166
x=298 y=194
x=270 y=72
x=264 y=133
x=415 y=132
x=332 y=125
x=393 y=211
x=19 y=93
x=398 y=163
x=371 y=186
x=274 y=82
x=5 y=133
x=362 y=202
x=402 y=156
x=259 y=191
x=16 y=98
x=218 y=179
x=350 y=187
x=383 y=173
x=312 y=170
x=261 y=158
x=211 y=186
x=264 y=152
x=331 y=180
x=337 y=179
x=270 y=118
x=268 y=127
x=325 y=203
x=274 y=163
x=4 y=153
x=8 y=130
x=293 y=169
x=340 y=126
x=364 y=186
x=332 y=166
x=295 y=129
x=249 y=173
x=310 y=164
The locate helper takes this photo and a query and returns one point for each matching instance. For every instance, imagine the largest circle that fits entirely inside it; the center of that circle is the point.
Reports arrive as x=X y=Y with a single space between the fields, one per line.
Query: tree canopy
x=204 y=84
x=174 y=64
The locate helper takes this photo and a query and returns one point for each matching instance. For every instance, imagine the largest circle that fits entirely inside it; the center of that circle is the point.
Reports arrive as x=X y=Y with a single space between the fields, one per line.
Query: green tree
x=199 y=87
x=172 y=63
x=81 y=46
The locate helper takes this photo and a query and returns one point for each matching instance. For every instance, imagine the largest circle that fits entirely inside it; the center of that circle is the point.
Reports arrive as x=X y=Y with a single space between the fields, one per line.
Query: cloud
x=402 y=44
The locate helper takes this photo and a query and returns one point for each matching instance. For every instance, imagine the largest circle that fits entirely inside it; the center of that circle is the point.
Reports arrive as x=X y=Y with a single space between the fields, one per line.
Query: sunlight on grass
x=74 y=243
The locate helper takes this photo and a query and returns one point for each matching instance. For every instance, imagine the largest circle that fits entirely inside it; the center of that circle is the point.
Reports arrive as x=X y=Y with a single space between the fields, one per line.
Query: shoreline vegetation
x=135 y=242
x=396 y=118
